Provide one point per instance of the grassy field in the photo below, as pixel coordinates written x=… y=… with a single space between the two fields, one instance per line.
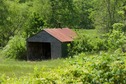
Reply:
x=19 y=68
x=90 y=32
x=102 y=68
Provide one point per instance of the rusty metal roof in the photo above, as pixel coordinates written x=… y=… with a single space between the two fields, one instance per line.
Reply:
x=62 y=34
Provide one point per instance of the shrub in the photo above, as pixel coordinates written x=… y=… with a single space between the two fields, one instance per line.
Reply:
x=116 y=38
x=15 y=48
x=104 y=68
x=84 y=43
x=81 y=44
x=109 y=41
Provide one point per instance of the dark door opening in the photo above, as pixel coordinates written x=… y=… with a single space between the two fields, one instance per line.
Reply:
x=39 y=51
x=46 y=51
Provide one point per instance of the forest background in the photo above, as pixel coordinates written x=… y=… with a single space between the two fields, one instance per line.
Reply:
x=96 y=56
x=27 y=17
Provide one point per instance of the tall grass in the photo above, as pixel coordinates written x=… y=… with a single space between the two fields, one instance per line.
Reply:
x=22 y=68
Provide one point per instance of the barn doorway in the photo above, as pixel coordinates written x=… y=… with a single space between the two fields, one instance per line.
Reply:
x=39 y=50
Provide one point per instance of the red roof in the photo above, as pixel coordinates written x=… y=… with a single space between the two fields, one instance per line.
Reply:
x=62 y=34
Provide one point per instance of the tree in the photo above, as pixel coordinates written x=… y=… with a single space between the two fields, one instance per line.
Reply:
x=83 y=10
x=62 y=11
x=105 y=13
x=3 y=22
x=14 y=16
x=36 y=24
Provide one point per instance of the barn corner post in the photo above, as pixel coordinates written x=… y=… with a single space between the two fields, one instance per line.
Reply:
x=27 y=51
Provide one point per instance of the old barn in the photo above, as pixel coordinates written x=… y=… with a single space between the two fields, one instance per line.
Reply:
x=49 y=44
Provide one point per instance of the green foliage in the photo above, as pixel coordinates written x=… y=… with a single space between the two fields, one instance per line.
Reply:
x=65 y=12
x=105 y=14
x=16 y=48
x=118 y=26
x=103 y=68
x=83 y=10
x=81 y=44
x=62 y=11
x=86 y=43
x=96 y=43
x=3 y=22
x=36 y=24
x=14 y=19
x=30 y=16
x=115 y=39
x=17 y=16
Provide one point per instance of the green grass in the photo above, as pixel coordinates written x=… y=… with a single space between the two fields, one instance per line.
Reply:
x=17 y=68
x=21 y=68
x=89 y=32
x=11 y=67
x=102 y=68
x=0 y=53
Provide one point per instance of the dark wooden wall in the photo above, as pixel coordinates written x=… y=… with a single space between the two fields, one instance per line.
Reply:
x=44 y=37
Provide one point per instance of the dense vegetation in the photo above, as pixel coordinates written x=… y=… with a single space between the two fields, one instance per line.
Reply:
x=95 y=57
x=26 y=17
x=102 y=68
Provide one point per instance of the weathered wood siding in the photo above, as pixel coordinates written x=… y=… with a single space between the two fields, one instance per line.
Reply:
x=43 y=36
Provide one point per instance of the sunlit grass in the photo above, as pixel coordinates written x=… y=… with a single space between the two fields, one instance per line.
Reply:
x=19 y=68
x=92 y=33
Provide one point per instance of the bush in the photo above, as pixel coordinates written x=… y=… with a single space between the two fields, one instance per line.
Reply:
x=84 y=43
x=81 y=44
x=109 y=41
x=116 y=38
x=103 y=68
x=16 y=48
